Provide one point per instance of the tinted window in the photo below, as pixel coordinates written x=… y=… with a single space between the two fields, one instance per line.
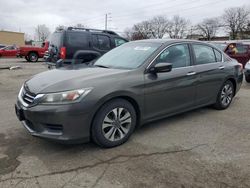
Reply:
x=178 y=55
x=203 y=54
x=119 y=42
x=218 y=55
x=78 y=39
x=101 y=42
x=241 y=49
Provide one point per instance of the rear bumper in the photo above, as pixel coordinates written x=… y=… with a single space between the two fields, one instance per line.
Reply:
x=59 y=123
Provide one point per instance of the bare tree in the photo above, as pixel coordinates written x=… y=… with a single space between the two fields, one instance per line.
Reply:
x=154 y=28
x=143 y=29
x=236 y=20
x=177 y=27
x=208 y=27
x=159 y=26
x=42 y=32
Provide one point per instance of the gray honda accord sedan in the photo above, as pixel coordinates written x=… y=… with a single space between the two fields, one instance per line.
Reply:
x=138 y=82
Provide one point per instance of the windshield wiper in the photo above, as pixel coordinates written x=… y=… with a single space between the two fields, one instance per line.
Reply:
x=102 y=66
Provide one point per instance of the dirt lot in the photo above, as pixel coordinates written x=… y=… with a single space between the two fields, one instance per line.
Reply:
x=202 y=148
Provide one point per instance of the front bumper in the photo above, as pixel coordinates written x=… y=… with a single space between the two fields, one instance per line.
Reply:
x=61 y=123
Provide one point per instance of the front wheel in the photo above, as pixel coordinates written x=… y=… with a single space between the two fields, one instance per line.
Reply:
x=114 y=123
x=225 y=96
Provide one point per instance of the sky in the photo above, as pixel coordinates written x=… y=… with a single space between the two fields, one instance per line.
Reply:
x=25 y=15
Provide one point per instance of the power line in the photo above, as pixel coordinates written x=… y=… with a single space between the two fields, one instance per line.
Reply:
x=190 y=8
x=152 y=8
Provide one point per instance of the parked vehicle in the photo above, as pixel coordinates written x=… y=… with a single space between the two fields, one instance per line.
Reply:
x=9 y=51
x=2 y=46
x=33 y=53
x=77 y=44
x=236 y=50
x=247 y=71
x=135 y=83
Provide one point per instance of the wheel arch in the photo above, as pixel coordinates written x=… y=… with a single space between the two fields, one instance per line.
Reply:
x=128 y=98
x=32 y=52
x=231 y=79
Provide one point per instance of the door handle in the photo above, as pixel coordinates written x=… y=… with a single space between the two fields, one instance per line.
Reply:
x=191 y=73
x=221 y=67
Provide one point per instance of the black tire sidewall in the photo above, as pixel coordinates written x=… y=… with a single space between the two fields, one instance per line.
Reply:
x=97 y=134
x=32 y=53
x=219 y=104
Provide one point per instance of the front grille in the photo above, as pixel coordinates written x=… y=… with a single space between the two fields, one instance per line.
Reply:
x=54 y=127
x=28 y=97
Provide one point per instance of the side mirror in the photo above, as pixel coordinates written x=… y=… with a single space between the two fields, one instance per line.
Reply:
x=161 y=67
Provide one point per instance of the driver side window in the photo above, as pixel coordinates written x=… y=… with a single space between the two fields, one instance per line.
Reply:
x=178 y=55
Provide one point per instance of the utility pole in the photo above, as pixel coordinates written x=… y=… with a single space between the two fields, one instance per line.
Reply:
x=107 y=18
x=106 y=21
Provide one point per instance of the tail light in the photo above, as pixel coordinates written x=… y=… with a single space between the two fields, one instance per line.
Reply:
x=63 y=52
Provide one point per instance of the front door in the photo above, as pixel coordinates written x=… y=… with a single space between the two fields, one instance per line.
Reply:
x=170 y=92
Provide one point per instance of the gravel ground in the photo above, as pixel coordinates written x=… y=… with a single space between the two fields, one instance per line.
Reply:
x=201 y=148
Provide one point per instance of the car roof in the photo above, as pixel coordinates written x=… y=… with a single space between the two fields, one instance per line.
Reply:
x=169 y=41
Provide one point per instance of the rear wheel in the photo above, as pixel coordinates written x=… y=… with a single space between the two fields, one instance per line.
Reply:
x=225 y=96
x=114 y=123
x=27 y=58
x=33 y=57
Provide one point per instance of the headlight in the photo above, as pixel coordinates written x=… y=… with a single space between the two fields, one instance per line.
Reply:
x=64 y=97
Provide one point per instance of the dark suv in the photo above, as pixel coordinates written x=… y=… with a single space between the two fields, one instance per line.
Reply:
x=81 y=44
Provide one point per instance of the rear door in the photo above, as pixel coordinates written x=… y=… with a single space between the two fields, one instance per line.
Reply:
x=76 y=41
x=101 y=43
x=209 y=68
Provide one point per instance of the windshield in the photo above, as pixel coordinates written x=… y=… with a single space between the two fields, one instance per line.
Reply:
x=128 y=56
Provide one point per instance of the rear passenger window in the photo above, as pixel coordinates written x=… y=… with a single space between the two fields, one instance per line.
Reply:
x=203 y=54
x=101 y=42
x=77 y=39
x=218 y=55
x=178 y=55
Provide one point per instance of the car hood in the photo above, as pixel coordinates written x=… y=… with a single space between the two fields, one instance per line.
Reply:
x=57 y=80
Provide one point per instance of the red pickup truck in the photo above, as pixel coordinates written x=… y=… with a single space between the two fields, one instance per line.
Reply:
x=237 y=50
x=32 y=53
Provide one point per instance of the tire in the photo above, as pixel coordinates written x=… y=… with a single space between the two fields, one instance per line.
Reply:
x=225 y=96
x=117 y=129
x=27 y=58
x=247 y=78
x=33 y=57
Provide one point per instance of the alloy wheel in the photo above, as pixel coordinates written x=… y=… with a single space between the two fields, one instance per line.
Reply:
x=116 y=124
x=226 y=95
